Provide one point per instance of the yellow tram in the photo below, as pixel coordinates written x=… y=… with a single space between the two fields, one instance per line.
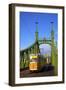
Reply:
x=34 y=62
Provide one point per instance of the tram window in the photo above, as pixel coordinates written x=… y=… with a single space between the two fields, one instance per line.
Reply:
x=33 y=60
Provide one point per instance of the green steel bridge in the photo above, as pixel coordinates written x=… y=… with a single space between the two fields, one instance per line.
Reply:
x=34 y=49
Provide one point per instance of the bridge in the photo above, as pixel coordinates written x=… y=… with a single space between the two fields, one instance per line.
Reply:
x=34 y=49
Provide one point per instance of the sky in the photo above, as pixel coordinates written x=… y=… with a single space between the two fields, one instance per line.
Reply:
x=45 y=49
x=28 y=27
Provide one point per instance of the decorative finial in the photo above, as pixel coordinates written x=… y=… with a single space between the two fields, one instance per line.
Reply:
x=36 y=26
x=36 y=33
x=52 y=22
x=36 y=22
x=52 y=25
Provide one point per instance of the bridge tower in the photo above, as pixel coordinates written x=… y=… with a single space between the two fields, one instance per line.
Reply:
x=52 y=44
x=53 y=50
x=36 y=33
x=36 y=49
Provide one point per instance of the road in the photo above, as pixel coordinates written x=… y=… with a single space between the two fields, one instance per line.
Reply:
x=43 y=72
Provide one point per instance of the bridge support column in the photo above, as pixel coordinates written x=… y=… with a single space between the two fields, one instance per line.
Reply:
x=22 y=61
x=54 y=59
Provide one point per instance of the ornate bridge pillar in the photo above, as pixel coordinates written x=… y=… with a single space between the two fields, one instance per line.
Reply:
x=36 y=33
x=54 y=60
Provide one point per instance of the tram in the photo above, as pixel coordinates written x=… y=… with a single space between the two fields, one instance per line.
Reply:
x=35 y=62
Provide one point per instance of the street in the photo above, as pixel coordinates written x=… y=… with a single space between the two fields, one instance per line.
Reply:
x=44 y=72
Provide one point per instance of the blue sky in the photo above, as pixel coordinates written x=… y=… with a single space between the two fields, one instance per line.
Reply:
x=28 y=27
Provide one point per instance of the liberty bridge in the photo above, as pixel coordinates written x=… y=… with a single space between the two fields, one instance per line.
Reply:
x=34 y=49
